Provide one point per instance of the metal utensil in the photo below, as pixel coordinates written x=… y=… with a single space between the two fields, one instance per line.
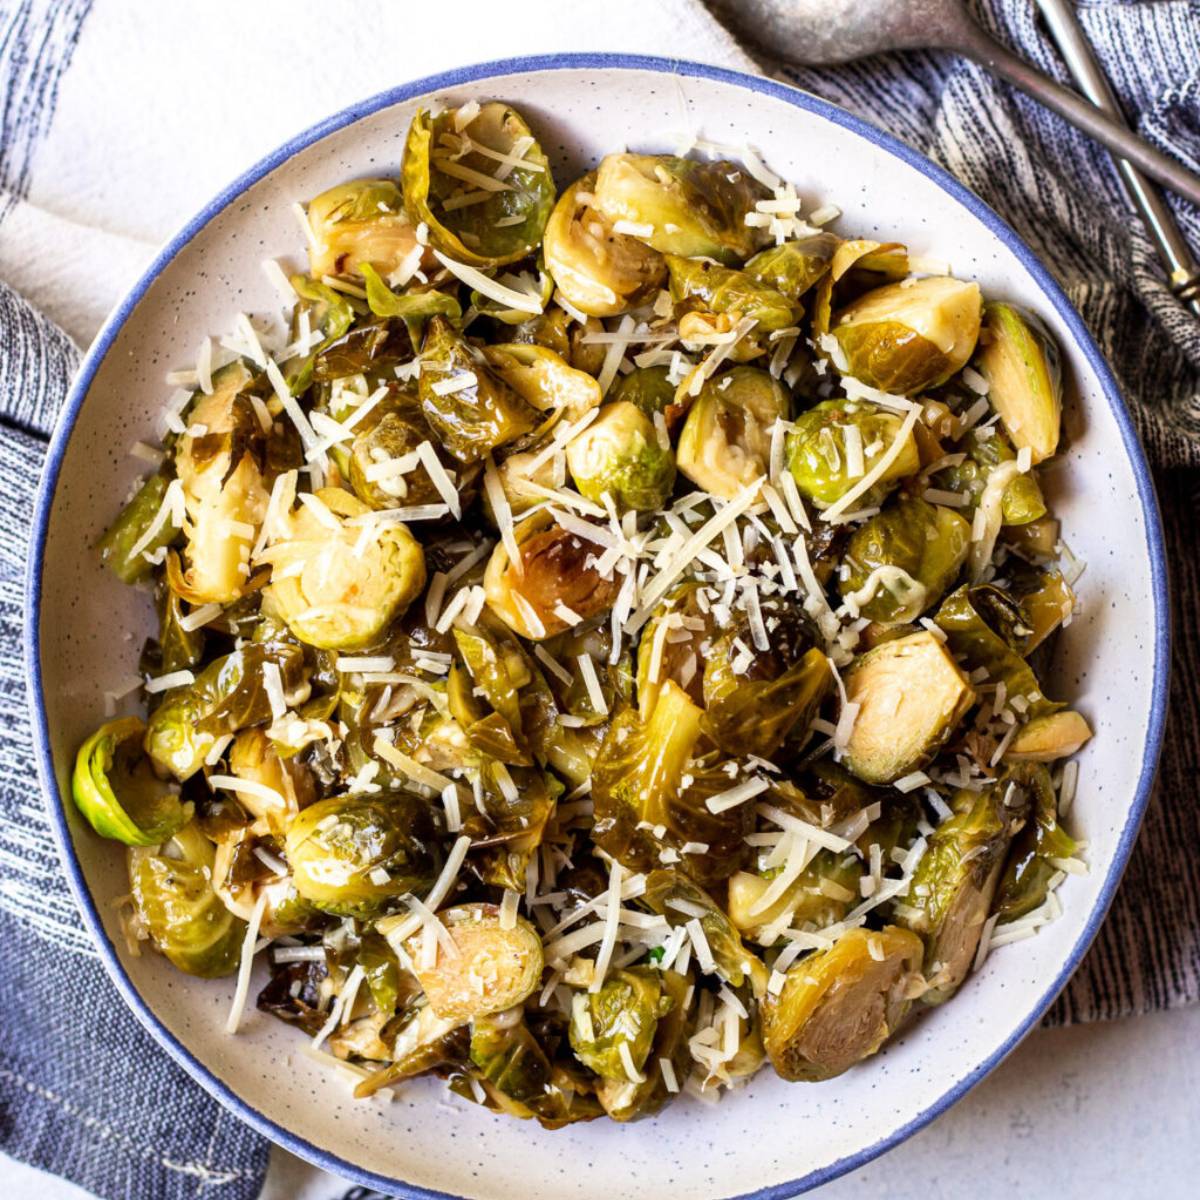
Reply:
x=818 y=32
x=1183 y=269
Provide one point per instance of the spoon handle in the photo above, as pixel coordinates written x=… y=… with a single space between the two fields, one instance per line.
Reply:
x=985 y=50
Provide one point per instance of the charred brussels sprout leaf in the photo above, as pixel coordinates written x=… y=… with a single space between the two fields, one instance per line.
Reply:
x=726 y=440
x=903 y=560
x=700 y=285
x=493 y=970
x=114 y=786
x=912 y=695
x=174 y=898
x=1026 y=879
x=129 y=532
x=556 y=569
x=443 y=165
x=623 y=1013
x=357 y=222
x=752 y=710
x=907 y=339
x=955 y=881
x=1021 y=362
x=619 y=453
x=679 y=206
x=228 y=695
x=601 y=272
x=838 y=1006
x=819 y=458
x=345 y=594
x=794 y=267
x=473 y=420
x=351 y=854
x=179 y=649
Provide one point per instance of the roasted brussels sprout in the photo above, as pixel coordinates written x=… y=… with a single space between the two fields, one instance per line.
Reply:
x=726 y=440
x=838 y=1006
x=219 y=462
x=174 y=899
x=411 y=307
x=953 y=885
x=484 y=413
x=494 y=969
x=115 y=788
x=821 y=895
x=794 y=267
x=1053 y=736
x=396 y=435
x=599 y=271
x=337 y=586
x=1035 y=848
x=911 y=696
x=675 y=645
x=544 y=379
x=678 y=206
x=484 y=189
x=359 y=222
x=986 y=449
x=619 y=454
x=700 y=285
x=556 y=571
x=351 y=854
x=1045 y=597
x=1021 y=362
x=906 y=339
x=130 y=529
x=228 y=695
x=820 y=449
x=613 y=1029
x=752 y=708
x=651 y=390
x=902 y=561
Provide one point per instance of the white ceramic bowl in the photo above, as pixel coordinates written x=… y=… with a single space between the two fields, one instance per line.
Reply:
x=772 y=1139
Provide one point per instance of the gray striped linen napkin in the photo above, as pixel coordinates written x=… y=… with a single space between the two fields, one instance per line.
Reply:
x=86 y=1094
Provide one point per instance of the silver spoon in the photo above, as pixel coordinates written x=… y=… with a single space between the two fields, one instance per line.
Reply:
x=819 y=32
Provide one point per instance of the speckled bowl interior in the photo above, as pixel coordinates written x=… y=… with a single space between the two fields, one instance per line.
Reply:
x=85 y=629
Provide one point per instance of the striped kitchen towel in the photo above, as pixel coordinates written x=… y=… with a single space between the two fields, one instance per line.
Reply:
x=87 y=184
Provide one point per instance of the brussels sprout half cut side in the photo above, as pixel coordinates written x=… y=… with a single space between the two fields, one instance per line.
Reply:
x=115 y=788
x=619 y=455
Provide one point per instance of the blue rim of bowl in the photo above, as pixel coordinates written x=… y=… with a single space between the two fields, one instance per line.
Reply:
x=443 y=82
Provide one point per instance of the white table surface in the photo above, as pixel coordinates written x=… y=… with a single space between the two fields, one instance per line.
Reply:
x=1093 y=1111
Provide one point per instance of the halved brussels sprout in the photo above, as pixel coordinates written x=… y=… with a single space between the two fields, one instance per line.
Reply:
x=228 y=695
x=680 y=206
x=651 y=390
x=817 y=449
x=114 y=786
x=544 y=379
x=700 y=285
x=517 y=471
x=471 y=420
x=794 y=267
x=556 y=569
x=254 y=757
x=911 y=696
x=1050 y=737
x=484 y=190
x=362 y=221
x=625 y=1101
x=351 y=854
x=348 y=587
x=370 y=349
x=131 y=525
x=1045 y=597
x=1021 y=362
x=752 y=708
x=820 y=896
x=396 y=434
x=953 y=885
x=985 y=449
x=1026 y=878
x=906 y=339
x=856 y=267
x=494 y=969
x=174 y=898
x=726 y=440
x=623 y=1013
x=838 y=1006
x=224 y=488
x=600 y=272
x=619 y=454
x=903 y=560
